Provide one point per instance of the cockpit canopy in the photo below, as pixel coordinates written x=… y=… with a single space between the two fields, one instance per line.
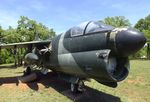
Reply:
x=89 y=28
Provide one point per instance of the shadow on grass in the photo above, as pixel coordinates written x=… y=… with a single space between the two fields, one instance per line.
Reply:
x=9 y=80
x=51 y=80
x=9 y=66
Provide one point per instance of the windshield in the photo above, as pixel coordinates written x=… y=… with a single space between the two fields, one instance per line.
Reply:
x=97 y=27
x=88 y=28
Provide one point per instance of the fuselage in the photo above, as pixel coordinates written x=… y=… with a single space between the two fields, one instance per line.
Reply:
x=93 y=50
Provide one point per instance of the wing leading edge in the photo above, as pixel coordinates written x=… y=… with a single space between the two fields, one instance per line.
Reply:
x=23 y=44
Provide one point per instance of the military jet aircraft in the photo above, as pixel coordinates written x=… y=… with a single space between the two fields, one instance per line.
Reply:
x=91 y=50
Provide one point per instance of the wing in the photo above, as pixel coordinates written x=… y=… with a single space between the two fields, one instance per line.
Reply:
x=24 y=44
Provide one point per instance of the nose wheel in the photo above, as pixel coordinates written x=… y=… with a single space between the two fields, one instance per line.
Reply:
x=77 y=87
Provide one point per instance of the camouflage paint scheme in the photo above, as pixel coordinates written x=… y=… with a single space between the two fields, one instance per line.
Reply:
x=89 y=50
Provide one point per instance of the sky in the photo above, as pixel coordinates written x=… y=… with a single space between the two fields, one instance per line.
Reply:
x=63 y=14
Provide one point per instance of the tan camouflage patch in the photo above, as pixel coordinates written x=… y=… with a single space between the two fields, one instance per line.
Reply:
x=119 y=29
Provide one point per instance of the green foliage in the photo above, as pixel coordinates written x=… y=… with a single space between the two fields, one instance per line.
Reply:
x=144 y=26
x=6 y=56
x=27 y=30
x=1 y=34
x=139 y=54
x=117 y=21
x=11 y=36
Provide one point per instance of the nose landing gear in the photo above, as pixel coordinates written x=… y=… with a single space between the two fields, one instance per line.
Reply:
x=78 y=87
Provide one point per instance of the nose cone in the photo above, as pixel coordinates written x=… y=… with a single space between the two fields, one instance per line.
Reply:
x=129 y=41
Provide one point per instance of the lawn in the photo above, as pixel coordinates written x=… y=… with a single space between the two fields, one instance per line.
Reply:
x=136 y=88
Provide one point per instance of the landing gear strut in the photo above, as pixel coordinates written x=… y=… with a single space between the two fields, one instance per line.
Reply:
x=28 y=76
x=77 y=87
x=27 y=71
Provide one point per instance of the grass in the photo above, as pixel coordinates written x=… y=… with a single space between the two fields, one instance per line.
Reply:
x=136 y=88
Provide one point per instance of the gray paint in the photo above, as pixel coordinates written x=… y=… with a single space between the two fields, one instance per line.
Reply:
x=90 y=50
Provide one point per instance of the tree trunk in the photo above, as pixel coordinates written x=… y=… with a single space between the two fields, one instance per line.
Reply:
x=148 y=51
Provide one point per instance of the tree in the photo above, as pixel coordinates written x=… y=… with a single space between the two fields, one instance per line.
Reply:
x=117 y=21
x=1 y=35
x=1 y=30
x=28 y=29
x=11 y=36
x=144 y=26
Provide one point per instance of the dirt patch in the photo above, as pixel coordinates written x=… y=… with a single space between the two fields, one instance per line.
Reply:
x=137 y=80
x=13 y=83
x=12 y=86
x=23 y=86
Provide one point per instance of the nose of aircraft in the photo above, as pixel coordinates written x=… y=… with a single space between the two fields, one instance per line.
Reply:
x=129 y=41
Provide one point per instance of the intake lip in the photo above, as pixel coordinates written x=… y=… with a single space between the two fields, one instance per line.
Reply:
x=129 y=41
x=118 y=68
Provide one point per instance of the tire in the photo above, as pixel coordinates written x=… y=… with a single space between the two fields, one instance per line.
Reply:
x=81 y=86
x=77 y=88
x=74 y=88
